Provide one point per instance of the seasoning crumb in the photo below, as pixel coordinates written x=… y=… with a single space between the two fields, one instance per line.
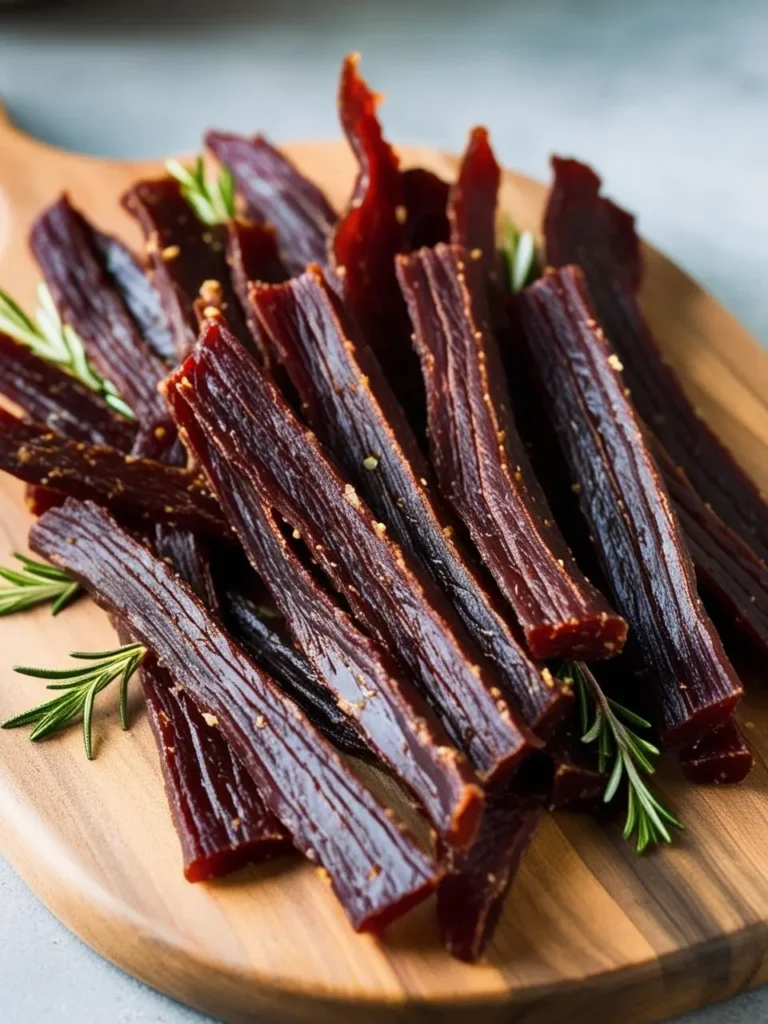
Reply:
x=260 y=721
x=615 y=362
x=370 y=462
x=576 y=488
x=170 y=252
x=476 y=254
x=211 y=720
x=211 y=311
x=237 y=822
x=401 y=214
x=380 y=528
x=211 y=292
x=350 y=494
x=296 y=535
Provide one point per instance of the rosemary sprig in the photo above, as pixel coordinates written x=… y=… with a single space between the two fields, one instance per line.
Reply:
x=519 y=250
x=35 y=583
x=631 y=755
x=57 y=343
x=212 y=199
x=79 y=687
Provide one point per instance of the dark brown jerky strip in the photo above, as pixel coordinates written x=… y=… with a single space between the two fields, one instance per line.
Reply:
x=628 y=509
x=374 y=865
x=584 y=228
x=425 y=196
x=277 y=193
x=40 y=499
x=184 y=255
x=575 y=782
x=139 y=488
x=482 y=468
x=138 y=293
x=388 y=595
x=57 y=400
x=252 y=256
x=368 y=685
x=469 y=903
x=64 y=246
x=722 y=757
x=472 y=204
x=346 y=399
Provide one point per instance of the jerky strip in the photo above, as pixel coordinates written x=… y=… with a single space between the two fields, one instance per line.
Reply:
x=265 y=441
x=636 y=533
x=472 y=204
x=348 y=402
x=425 y=196
x=584 y=228
x=54 y=398
x=721 y=757
x=252 y=256
x=137 y=487
x=278 y=193
x=374 y=865
x=367 y=684
x=482 y=468
x=64 y=245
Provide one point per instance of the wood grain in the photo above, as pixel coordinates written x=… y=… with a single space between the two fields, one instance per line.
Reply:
x=591 y=933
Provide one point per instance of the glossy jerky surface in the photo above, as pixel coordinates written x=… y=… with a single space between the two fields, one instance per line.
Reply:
x=722 y=757
x=636 y=533
x=348 y=402
x=426 y=203
x=473 y=200
x=584 y=228
x=482 y=468
x=57 y=400
x=368 y=686
x=384 y=591
x=374 y=865
x=252 y=256
x=278 y=194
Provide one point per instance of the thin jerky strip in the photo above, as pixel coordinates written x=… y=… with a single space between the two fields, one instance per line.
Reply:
x=628 y=509
x=722 y=757
x=472 y=203
x=136 y=487
x=184 y=255
x=265 y=441
x=482 y=468
x=278 y=193
x=64 y=245
x=59 y=401
x=252 y=256
x=425 y=196
x=368 y=686
x=583 y=227
x=374 y=865
x=348 y=402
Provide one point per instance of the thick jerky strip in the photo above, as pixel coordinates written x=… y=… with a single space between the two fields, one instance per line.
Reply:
x=425 y=196
x=64 y=245
x=469 y=902
x=252 y=256
x=584 y=228
x=482 y=467
x=628 y=509
x=295 y=674
x=184 y=255
x=278 y=194
x=472 y=204
x=137 y=487
x=374 y=865
x=368 y=685
x=59 y=401
x=721 y=757
x=389 y=597
x=350 y=405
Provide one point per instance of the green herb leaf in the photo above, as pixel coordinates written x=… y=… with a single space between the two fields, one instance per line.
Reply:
x=212 y=199
x=33 y=585
x=519 y=251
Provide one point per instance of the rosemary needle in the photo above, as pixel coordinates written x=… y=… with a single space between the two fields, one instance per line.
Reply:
x=212 y=199
x=519 y=249
x=34 y=584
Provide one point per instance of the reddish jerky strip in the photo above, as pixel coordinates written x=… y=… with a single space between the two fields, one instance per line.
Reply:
x=138 y=293
x=584 y=228
x=469 y=903
x=636 y=533
x=426 y=202
x=64 y=245
x=482 y=467
x=136 y=487
x=721 y=757
x=374 y=865
x=184 y=254
x=349 y=403
x=264 y=440
x=252 y=256
x=40 y=499
x=472 y=204
x=278 y=194
x=393 y=718
x=59 y=401
x=295 y=675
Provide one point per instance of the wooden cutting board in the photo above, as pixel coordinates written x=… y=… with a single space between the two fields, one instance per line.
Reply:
x=591 y=932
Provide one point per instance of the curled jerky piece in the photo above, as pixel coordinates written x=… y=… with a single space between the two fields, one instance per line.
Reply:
x=252 y=256
x=348 y=402
x=140 y=488
x=628 y=509
x=65 y=246
x=278 y=194
x=584 y=228
x=472 y=204
x=59 y=401
x=375 y=867
x=426 y=203
x=482 y=467
x=386 y=592
x=721 y=757
x=367 y=684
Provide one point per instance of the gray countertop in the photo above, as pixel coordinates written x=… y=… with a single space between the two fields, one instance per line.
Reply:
x=669 y=100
